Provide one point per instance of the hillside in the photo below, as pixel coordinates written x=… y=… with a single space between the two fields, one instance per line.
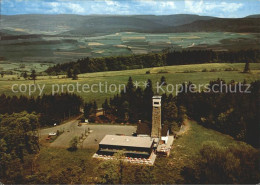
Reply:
x=253 y=16
x=94 y=24
x=63 y=38
x=174 y=20
x=90 y=25
x=221 y=25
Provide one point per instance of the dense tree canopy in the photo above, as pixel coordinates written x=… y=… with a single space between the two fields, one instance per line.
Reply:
x=236 y=164
x=51 y=108
x=166 y=58
x=19 y=137
x=135 y=104
x=233 y=113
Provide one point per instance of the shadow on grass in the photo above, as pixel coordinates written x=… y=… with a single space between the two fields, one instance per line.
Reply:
x=72 y=149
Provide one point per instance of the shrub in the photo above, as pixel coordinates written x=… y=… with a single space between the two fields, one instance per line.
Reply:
x=163 y=71
x=189 y=71
x=231 y=69
x=213 y=70
x=73 y=144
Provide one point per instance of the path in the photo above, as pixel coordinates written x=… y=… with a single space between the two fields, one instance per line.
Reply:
x=185 y=127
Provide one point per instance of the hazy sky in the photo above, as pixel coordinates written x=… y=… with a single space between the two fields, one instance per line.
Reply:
x=219 y=8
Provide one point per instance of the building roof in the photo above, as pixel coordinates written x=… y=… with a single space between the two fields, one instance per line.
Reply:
x=129 y=141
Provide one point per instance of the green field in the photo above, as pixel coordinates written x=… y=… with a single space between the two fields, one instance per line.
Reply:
x=185 y=150
x=19 y=68
x=60 y=49
x=174 y=75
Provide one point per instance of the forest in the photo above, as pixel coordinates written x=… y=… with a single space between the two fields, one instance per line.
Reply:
x=226 y=111
x=51 y=109
x=168 y=57
x=232 y=113
x=136 y=104
x=19 y=139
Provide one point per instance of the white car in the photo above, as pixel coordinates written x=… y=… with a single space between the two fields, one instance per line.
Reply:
x=52 y=134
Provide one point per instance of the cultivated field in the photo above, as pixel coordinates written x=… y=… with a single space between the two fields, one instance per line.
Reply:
x=60 y=49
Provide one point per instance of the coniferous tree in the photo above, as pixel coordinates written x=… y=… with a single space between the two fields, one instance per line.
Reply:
x=33 y=75
x=88 y=109
x=51 y=108
x=25 y=75
x=130 y=85
x=105 y=106
x=75 y=74
x=163 y=81
x=69 y=73
x=95 y=107
x=246 y=68
x=148 y=94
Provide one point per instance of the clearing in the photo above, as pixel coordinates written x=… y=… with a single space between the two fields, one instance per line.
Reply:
x=184 y=151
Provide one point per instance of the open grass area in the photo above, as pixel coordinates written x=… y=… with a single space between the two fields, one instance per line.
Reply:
x=184 y=152
x=52 y=160
x=174 y=75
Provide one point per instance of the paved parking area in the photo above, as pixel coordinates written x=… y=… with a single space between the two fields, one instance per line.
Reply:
x=71 y=129
x=99 y=132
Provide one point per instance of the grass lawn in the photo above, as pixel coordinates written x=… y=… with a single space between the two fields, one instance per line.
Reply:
x=166 y=170
x=174 y=75
x=53 y=160
x=185 y=150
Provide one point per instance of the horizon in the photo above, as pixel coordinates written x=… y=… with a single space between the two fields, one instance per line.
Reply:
x=214 y=8
x=128 y=15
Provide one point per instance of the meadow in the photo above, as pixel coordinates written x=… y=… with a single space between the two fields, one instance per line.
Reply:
x=197 y=74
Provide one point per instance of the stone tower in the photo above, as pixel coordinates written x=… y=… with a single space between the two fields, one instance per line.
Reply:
x=156 y=118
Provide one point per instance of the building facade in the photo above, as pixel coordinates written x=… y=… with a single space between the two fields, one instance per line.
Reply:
x=156 y=117
x=140 y=147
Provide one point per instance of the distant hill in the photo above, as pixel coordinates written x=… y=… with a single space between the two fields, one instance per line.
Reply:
x=92 y=25
x=221 y=25
x=174 y=20
x=253 y=16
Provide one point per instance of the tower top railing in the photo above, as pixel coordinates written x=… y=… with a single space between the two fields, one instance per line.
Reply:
x=157 y=97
